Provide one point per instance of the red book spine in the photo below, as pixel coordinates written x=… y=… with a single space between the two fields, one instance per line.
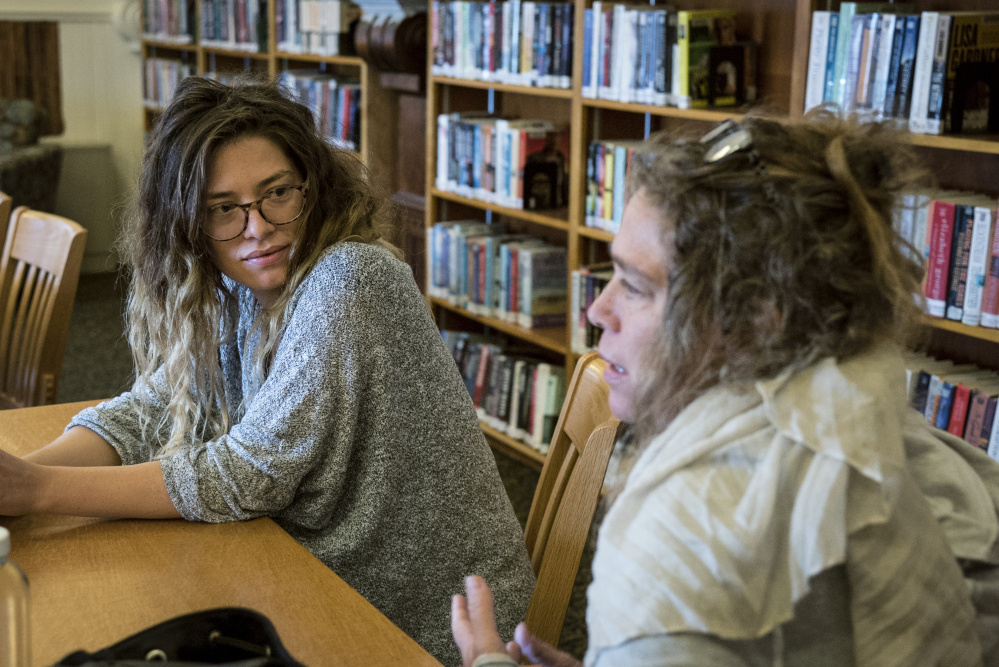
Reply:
x=941 y=219
x=480 y=376
x=959 y=410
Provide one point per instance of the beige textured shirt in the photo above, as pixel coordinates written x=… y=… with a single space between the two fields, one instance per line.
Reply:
x=752 y=491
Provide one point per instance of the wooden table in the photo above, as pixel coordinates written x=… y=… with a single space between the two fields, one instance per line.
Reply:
x=94 y=582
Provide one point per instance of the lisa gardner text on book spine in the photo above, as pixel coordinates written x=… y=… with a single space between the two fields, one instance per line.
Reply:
x=15 y=618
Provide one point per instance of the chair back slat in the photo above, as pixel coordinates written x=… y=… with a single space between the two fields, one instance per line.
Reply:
x=39 y=271
x=567 y=494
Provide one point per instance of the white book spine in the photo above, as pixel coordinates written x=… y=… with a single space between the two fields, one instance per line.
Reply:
x=977 y=265
x=876 y=100
x=921 y=71
x=938 y=75
x=818 y=48
x=443 y=151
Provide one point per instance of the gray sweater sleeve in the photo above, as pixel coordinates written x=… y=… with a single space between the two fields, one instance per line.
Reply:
x=116 y=421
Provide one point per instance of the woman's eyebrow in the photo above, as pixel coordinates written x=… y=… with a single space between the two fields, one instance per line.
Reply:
x=630 y=269
x=262 y=184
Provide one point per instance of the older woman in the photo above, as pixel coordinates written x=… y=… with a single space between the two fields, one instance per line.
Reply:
x=781 y=504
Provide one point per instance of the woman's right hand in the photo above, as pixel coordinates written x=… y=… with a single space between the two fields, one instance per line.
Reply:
x=538 y=651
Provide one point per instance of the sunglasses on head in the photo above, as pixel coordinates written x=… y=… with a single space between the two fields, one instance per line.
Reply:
x=729 y=138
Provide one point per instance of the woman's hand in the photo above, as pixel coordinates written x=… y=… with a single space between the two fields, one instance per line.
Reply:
x=538 y=651
x=474 y=628
x=473 y=623
x=20 y=482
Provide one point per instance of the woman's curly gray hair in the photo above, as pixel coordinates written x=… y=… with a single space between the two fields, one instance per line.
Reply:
x=768 y=278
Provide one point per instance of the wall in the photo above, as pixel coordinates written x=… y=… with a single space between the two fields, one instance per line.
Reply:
x=102 y=107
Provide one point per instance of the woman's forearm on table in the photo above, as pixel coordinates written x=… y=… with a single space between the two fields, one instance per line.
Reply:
x=78 y=446
x=134 y=492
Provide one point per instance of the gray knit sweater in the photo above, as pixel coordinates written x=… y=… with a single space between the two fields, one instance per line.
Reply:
x=362 y=443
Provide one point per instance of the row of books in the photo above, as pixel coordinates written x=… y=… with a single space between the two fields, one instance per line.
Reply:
x=168 y=21
x=335 y=103
x=585 y=285
x=523 y=43
x=607 y=164
x=515 y=163
x=318 y=27
x=511 y=277
x=958 y=398
x=935 y=71
x=955 y=234
x=663 y=56
x=160 y=79
x=512 y=392
x=239 y=25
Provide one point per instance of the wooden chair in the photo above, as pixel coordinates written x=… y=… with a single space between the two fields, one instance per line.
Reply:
x=39 y=271
x=558 y=525
x=6 y=204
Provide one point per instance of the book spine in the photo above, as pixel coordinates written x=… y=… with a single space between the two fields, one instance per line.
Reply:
x=942 y=417
x=976 y=415
x=846 y=13
x=891 y=83
x=977 y=261
x=882 y=62
x=818 y=48
x=828 y=89
x=959 y=410
x=990 y=298
x=987 y=422
x=941 y=230
x=938 y=76
x=959 y=257
x=922 y=71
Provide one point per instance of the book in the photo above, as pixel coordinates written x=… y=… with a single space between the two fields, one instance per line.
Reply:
x=902 y=103
x=977 y=264
x=922 y=71
x=543 y=287
x=697 y=31
x=959 y=257
x=818 y=52
x=940 y=231
x=959 y=410
x=893 y=66
x=880 y=64
x=970 y=102
x=990 y=296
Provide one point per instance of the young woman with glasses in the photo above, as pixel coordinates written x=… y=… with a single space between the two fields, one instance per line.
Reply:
x=286 y=366
x=778 y=502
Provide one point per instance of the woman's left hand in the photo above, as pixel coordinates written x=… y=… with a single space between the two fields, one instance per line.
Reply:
x=19 y=485
x=473 y=623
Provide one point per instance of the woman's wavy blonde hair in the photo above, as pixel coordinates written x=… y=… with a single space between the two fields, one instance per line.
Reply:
x=179 y=310
x=768 y=278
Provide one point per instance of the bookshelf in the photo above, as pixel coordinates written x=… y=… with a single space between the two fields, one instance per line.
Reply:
x=378 y=109
x=782 y=28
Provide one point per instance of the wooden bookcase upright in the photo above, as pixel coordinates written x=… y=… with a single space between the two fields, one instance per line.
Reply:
x=782 y=28
x=379 y=111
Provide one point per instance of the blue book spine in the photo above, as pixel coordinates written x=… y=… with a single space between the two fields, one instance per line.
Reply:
x=946 y=402
x=827 y=95
x=898 y=36
x=587 y=46
x=476 y=157
x=907 y=61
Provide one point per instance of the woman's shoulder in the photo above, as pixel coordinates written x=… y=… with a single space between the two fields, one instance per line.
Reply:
x=349 y=262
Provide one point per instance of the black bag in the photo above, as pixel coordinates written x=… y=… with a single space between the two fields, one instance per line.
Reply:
x=225 y=636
